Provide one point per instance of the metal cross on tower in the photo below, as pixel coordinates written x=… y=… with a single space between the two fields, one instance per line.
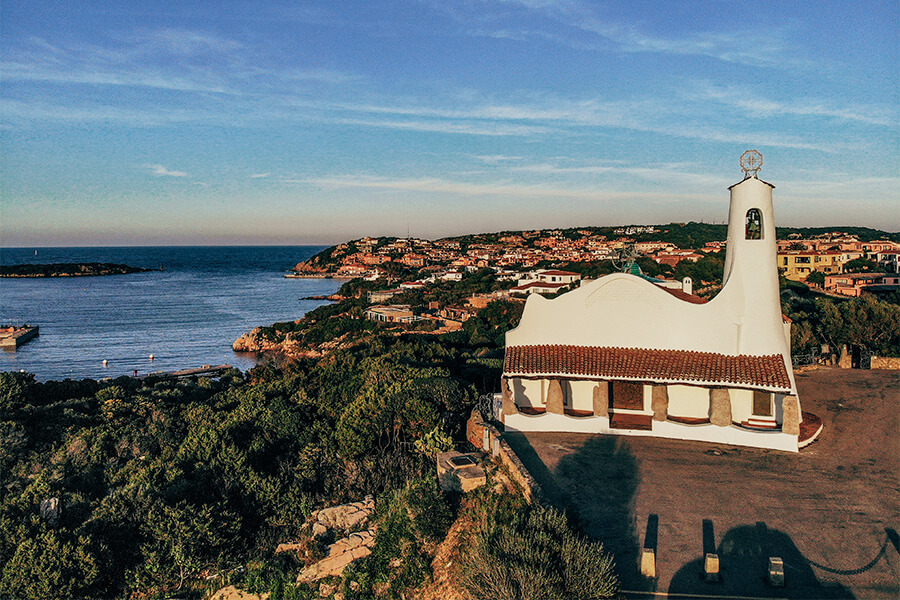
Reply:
x=751 y=163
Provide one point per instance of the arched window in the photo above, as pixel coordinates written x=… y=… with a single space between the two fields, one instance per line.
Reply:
x=753 y=225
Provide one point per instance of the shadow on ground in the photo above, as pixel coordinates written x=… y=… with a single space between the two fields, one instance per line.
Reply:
x=596 y=485
x=743 y=564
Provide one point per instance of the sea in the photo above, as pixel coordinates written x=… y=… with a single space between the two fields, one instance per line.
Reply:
x=186 y=313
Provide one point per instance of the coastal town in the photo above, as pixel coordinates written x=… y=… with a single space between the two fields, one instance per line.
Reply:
x=551 y=262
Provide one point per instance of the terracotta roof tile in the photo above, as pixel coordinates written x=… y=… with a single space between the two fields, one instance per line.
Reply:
x=766 y=372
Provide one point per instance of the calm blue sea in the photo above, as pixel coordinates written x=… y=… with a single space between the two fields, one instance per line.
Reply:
x=186 y=316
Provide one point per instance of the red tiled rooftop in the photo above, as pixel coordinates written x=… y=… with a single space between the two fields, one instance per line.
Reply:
x=540 y=284
x=766 y=372
x=682 y=295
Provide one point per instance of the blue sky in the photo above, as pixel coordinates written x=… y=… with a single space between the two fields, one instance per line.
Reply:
x=314 y=122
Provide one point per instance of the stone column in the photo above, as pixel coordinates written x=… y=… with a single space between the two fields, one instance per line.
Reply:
x=846 y=360
x=659 y=402
x=555 y=402
x=791 y=420
x=601 y=399
x=509 y=404
x=719 y=407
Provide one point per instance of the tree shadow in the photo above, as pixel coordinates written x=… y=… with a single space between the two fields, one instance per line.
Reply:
x=743 y=566
x=596 y=486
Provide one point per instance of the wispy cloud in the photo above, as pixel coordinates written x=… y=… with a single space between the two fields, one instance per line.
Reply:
x=163 y=59
x=443 y=186
x=161 y=171
x=672 y=173
x=493 y=159
x=466 y=127
x=754 y=105
x=260 y=175
x=502 y=18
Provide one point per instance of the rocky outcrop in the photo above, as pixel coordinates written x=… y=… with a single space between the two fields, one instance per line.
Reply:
x=308 y=269
x=352 y=547
x=50 y=509
x=340 y=554
x=346 y=516
x=234 y=593
x=256 y=341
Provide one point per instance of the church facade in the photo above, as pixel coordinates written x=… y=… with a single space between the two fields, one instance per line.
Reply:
x=622 y=355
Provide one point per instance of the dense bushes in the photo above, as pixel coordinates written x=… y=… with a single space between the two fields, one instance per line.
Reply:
x=162 y=482
x=531 y=552
x=410 y=522
x=865 y=321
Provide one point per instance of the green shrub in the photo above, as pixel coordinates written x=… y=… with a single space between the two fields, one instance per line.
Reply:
x=535 y=555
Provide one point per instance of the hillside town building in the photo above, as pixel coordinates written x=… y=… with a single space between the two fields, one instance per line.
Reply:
x=623 y=355
x=854 y=284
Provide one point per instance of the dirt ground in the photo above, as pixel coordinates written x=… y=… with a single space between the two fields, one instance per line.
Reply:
x=832 y=511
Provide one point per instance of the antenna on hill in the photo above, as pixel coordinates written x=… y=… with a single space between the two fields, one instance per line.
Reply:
x=626 y=258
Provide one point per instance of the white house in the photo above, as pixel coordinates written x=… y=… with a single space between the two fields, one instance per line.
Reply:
x=622 y=355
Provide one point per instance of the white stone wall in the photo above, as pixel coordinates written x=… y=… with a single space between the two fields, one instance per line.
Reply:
x=741 y=405
x=732 y=435
x=579 y=394
x=688 y=401
x=529 y=393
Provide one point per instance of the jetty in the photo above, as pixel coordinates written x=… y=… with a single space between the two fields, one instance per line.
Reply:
x=204 y=371
x=11 y=337
x=309 y=275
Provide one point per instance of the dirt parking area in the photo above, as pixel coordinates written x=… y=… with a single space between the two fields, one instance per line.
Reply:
x=831 y=512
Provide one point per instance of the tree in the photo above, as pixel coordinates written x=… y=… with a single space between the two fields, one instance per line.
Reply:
x=48 y=567
x=864 y=321
x=490 y=324
x=816 y=278
x=14 y=389
x=861 y=265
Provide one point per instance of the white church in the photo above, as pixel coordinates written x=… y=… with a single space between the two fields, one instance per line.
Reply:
x=624 y=356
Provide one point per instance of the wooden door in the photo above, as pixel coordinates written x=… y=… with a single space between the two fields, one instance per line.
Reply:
x=762 y=404
x=627 y=394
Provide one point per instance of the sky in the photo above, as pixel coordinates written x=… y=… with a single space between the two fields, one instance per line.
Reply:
x=236 y=122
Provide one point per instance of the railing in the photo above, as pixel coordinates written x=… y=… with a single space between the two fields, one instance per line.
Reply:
x=803 y=359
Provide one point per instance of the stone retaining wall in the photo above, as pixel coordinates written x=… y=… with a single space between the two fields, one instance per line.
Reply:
x=486 y=437
x=886 y=362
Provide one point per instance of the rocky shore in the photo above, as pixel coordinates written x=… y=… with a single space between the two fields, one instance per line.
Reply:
x=255 y=341
x=68 y=270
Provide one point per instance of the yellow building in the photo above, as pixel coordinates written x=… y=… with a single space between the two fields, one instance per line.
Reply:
x=797 y=264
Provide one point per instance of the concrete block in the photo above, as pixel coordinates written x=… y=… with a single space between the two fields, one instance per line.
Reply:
x=776 y=572
x=711 y=567
x=459 y=472
x=648 y=563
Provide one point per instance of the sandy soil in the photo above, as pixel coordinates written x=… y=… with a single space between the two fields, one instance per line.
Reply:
x=831 y=512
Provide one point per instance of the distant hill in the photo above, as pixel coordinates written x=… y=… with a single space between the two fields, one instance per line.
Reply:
x=684 y=235
x=865 y=234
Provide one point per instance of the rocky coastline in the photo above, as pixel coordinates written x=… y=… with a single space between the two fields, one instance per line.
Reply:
x=257 y=342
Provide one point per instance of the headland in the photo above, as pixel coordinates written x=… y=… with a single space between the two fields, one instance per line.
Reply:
x=69 y=270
